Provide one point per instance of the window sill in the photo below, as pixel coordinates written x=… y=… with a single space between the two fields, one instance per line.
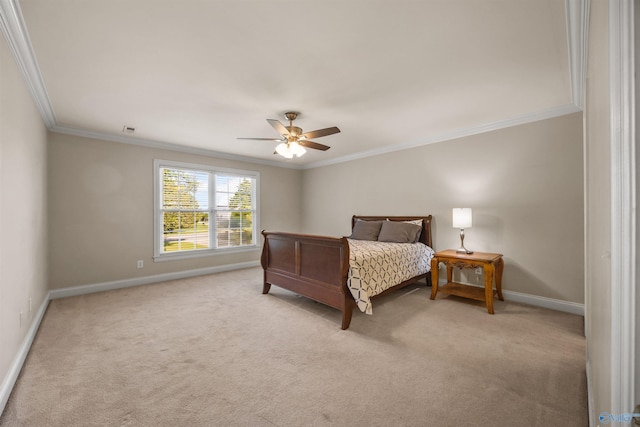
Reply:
x=203 y=253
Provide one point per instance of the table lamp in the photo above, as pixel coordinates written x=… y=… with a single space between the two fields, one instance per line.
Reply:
x=462 y=218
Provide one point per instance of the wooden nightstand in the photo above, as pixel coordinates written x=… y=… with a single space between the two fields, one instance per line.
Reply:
x=492 y=265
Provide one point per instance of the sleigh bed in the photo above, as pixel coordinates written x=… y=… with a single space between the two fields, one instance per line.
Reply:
x=319 y=267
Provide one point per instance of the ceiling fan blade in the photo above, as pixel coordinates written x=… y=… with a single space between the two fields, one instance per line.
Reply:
x=264 y=139
x=314 y=145
x=279 y=127
x=320 y=132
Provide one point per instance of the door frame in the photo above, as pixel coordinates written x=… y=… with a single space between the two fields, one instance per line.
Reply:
x=623 y=205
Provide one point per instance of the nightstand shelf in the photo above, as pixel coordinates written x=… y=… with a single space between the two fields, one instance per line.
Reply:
x=491 y=264
x=462 y=290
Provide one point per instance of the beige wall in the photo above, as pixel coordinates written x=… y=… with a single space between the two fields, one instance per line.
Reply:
x=524 y=183
x=23 y=198
x=101 y=210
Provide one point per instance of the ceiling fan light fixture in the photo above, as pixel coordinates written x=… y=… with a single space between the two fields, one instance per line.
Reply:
x=297 y=149
x=284 y=151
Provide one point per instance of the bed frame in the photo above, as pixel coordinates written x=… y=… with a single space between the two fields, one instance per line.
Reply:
x=317 y=266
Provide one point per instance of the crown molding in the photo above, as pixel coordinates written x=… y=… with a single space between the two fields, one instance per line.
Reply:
x=15 y=31
x=149 y=143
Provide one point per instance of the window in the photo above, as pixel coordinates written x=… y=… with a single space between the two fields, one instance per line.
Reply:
x=201 y=210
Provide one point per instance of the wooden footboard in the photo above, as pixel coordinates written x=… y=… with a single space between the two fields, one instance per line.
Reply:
x=313 y=266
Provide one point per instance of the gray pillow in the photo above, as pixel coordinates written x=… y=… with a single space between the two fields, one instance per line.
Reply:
x=399 y=232
x=366 y=230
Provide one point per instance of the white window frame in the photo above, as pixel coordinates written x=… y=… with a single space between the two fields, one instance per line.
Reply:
x=158 y=228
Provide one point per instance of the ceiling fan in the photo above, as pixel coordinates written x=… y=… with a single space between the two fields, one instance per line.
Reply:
x=294 y=140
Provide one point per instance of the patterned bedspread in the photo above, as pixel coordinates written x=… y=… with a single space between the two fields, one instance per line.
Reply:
x=377 y=266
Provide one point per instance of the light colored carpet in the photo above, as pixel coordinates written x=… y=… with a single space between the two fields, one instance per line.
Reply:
x=214 y=351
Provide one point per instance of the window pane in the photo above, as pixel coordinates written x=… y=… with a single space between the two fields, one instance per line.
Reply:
x=223 y=238
x=235 y=220
x=202 y=192
x=234 y=238
x=182 y=189
x=201 y=238
x=247 y=236
x=171 y=231
x=234 y=192
x=222 y=219
x=247 y=228
x=178 y=237
x=247 y=219
x=222 y=200
x=234 y=228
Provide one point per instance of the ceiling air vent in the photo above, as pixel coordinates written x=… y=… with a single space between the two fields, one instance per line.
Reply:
x=128 y=129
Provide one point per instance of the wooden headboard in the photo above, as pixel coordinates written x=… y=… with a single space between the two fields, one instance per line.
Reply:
x=425 y=236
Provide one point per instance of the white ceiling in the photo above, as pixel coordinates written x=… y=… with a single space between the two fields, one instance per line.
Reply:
x=389 y=73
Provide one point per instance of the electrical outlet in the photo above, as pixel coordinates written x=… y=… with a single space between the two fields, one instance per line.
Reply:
x=140 y=263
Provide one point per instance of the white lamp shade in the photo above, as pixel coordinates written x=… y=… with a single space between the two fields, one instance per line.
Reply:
x=297 y=149
x=283 y=150
x=462 y=218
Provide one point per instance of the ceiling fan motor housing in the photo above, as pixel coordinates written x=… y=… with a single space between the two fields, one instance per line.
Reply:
x=291 y=115
x=294 y=132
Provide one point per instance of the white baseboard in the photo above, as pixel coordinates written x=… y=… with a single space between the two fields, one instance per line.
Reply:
x=550 y=303
x=544 y=302
x=146 y=280
x=14 y=370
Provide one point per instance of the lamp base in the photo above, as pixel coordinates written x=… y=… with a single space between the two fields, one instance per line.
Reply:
x=464 y=250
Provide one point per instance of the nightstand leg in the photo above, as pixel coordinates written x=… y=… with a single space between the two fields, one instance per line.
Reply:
x=499 y=269
x=434 y=277
x=488 y=286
